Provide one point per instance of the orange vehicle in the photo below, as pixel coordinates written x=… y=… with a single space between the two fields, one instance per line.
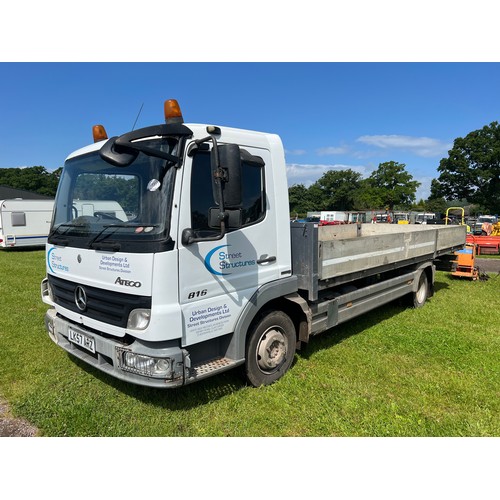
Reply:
x=464 y=265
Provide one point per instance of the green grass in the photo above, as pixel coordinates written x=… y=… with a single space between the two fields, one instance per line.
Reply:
x=396 y=371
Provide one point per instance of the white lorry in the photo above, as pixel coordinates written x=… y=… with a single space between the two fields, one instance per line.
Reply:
x=209 y=273
x=24 y=223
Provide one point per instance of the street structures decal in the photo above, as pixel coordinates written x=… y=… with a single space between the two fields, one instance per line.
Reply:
x=220 y=262
x=55 y=262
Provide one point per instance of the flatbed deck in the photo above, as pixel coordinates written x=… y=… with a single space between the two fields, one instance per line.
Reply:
x=325 y=256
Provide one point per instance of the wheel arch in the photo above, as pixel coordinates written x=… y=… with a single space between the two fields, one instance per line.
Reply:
x=278 y=296
x=295 y=307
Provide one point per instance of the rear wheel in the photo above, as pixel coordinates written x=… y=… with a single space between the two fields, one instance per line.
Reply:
x=420 y=296
x=270 y=348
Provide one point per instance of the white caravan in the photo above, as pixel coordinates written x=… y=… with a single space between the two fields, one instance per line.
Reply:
x=107 y=209
x=24 y=223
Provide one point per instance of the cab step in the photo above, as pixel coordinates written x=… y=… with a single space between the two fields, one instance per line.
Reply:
x=209 y=367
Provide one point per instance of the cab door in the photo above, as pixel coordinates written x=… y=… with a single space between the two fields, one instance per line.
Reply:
x=217 y=277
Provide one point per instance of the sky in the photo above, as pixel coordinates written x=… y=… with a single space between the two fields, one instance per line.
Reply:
x=329 y=115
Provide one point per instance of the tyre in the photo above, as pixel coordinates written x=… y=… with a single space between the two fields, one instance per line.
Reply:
x=420 y=296
x=270 y=348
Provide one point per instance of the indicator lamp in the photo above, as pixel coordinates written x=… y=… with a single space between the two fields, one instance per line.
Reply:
x=173 y=113
x=99 y=133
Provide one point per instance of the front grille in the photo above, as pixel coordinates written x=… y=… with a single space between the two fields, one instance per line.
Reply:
x=102 y=305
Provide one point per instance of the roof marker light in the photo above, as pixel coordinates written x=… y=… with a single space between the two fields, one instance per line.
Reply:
x=99 y=133
x=173 y=113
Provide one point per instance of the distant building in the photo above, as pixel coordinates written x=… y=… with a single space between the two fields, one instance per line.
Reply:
x=9 y=193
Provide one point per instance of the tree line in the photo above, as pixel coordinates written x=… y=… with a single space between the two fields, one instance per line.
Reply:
x=388 y=187
x=470 y=174
x=35 y=179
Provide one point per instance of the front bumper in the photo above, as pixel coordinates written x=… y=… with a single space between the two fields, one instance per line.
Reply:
x=109 y=354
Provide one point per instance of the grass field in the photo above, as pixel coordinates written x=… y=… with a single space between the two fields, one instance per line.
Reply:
x=396 y=371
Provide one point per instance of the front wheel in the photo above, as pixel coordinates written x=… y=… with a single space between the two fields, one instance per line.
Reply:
x=270 y=348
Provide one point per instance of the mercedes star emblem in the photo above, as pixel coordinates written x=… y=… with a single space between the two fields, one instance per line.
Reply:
x=80 y=298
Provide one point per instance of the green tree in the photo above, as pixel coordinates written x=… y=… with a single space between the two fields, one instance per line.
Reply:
x=419 y=206
x=368 y=197
x=437 y=205
x=316 y=198
x=298 y=199
x=393 y=185
x=472 y=169
x=338 y=189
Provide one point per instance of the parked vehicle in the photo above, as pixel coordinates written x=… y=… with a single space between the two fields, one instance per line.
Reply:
x=484 y=225
x=425 y=218
x=355 y=217
x=329 y=217
x=210 y=274
x=382 y=218
x=401 y=218
x=24 y=223
x=486 y=235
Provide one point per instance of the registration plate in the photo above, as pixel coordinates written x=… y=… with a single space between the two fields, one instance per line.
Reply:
x=82 y=339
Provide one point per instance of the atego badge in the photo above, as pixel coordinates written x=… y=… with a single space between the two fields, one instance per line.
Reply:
x=134 y=284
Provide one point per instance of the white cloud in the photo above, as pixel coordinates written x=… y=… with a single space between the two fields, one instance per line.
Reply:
x=296 y=152
x=424 y=190
x=332 y=150
x=420 y=146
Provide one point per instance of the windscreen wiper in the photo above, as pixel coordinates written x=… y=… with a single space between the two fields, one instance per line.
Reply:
x=105 y=228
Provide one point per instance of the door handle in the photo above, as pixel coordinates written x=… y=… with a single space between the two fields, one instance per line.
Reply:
x=267 y=259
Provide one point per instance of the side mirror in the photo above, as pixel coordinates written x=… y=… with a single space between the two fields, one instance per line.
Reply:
x=225 y=161
x=226 y=175
x=233 y=218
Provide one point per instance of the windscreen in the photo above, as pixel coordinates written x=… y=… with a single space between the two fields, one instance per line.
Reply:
x=99 y=205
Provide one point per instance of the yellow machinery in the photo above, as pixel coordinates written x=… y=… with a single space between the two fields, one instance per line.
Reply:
x=447 y=218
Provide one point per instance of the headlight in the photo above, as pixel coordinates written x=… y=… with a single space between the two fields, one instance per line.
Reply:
x=144 y=365
x=138 y=319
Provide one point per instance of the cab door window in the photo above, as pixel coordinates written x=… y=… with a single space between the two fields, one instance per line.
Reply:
x=253 y=196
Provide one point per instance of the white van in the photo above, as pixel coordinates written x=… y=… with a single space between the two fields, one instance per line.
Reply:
x=425 y=218
x=24 y=223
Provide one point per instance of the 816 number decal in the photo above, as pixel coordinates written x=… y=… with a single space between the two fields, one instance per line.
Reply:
x=198 y=293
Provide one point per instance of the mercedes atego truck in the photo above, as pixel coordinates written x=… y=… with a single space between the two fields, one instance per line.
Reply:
x=206 y=272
